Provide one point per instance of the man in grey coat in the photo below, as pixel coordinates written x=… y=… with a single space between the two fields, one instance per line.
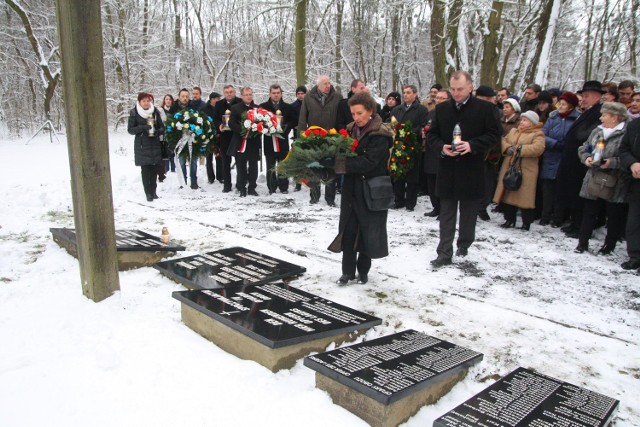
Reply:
x=320 y=108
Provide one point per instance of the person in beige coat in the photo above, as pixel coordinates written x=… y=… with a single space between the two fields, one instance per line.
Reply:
x=528 y=140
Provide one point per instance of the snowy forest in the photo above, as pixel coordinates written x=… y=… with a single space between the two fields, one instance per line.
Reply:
x=162 y=45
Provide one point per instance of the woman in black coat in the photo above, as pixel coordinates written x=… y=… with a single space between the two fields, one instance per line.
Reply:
x=362 y=233
x=146 y=124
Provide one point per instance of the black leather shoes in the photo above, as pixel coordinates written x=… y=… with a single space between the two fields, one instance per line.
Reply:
x=606 y=249
x=434 y=213
x=440 y=262
x=632 y=264
x=345 y=278
x=525 y=227
x=544 y=222
x=581 y=248
x=149 y=198
x=243 y=193
x=155 y=196
x=462 y=252
x=483 y=215
x=253 y=193
x=362 y=278
x=508 y=224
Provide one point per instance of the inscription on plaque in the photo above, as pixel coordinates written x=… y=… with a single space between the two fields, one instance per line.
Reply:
x=527 y=398
x=126 y=240
x=276 y=314
x=227 y=267
x=390 y=368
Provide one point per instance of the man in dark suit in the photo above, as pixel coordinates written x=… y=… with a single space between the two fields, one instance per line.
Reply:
x=222 y=106
x=246 y=150
x=210 y=111
x=276 y=148
x=461 y=170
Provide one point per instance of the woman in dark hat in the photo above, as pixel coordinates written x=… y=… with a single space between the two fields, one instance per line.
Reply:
x=391 y=102
x=600 y=154
x=545 y=106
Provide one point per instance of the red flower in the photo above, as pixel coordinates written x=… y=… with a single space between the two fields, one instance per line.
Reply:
x=354 y=145
x=260 y=127
x=399 y=126
x=343 y=133
x=250 y=115
x=317 y=132
x=403 y=161
x=323 y=132
x=306 y=132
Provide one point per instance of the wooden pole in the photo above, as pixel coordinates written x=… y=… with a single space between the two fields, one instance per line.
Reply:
x=80 y=32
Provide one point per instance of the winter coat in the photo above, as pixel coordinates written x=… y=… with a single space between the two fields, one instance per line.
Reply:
x=509 y=123
x=555 y=129
x=419 y=117
x=462 y=177
x=611 y=153
x=314 y=113
x=222 y=106
x=287 y=124
x=371 y=161
x=344 y=117
x=431 y=157
x=571 y=171
x=147 y=149
x=252 y=150
x=629 y=154
x=532 y=142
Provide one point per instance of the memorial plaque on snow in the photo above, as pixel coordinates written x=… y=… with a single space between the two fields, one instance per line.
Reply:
x=134 y=248
x=271 y=323
x=227 y=268
x=385 y=381
x=527 y=398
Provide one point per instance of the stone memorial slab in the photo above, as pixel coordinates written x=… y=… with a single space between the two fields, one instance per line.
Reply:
x=527 y=398
x=134 y=248
x=387 y=380
x=227 y=268
x=272 y=323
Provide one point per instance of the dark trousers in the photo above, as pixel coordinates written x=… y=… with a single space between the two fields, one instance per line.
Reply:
x=273 y=180
x=431 y=188
x=550 y=209
x=170 y=163
x=211 y=172
x=329 y=191
x=149 y=176
x=162 y=173
x=510 y=212
x=351 y=259
x=615 y=220
x=247 y=173
x=406 y=193
x=448 y=219
x=633 y=230
x=226 y=170
x=490 y=184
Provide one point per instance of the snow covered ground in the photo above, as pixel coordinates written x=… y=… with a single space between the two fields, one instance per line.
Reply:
x=522 y=299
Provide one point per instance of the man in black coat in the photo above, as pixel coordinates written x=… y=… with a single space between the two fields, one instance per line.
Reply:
x=406 y=190
x=246 y=150
x=630 y=160
x=530 y=97
x=571 y=171
x=461 y=171
x=210 y=111
x=222 y=106
x=277 y=148
x=301 y=91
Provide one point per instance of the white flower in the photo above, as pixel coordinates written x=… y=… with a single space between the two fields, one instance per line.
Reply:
x=259 y=117
x=272 y=131
x=264 y=131
x=247 y=124
x=254 y=127
x=186 y=116
x=179 y=126
x=199 y=120
x=279 y=129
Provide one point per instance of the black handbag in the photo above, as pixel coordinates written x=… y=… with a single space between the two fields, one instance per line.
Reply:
x=378 y=193
x=512 y=179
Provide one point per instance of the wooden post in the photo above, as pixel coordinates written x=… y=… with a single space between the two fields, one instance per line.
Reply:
x=80 y=32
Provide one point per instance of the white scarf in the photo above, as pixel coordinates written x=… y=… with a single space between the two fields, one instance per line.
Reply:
x=144 y=113
x=606 y=132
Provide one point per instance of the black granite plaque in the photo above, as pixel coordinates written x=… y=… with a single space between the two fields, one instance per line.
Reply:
x=527 y=398
x=275 y=314
x=126 y=240
x=390 y=368
x=227 y=267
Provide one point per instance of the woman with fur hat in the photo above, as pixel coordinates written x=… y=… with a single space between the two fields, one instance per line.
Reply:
x=605 y=183
x=146 y=124
x=555 y=129
x=391 y=101
x=510 y=116
x=527 y=140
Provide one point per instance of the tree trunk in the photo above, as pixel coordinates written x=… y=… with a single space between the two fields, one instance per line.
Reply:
x=301 y=35
x=491 y=46
x=438 y=46
x=339 y=13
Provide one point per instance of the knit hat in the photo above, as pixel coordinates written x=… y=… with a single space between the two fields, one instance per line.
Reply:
x=214 y=95
x=545 y=96
x=616 y=109
x=485 y=91
x=531 y=116
x=514 y=104
x=570 y=97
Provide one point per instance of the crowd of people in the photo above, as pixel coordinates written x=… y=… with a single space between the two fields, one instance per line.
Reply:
x=576 y=157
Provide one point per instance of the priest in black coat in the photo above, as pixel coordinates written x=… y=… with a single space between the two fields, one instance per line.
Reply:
x=460 y=179
x=246 y=150
x=230 y=99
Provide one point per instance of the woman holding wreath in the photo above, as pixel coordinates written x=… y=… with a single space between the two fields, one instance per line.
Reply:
x=146 y=124
x=362 y=233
